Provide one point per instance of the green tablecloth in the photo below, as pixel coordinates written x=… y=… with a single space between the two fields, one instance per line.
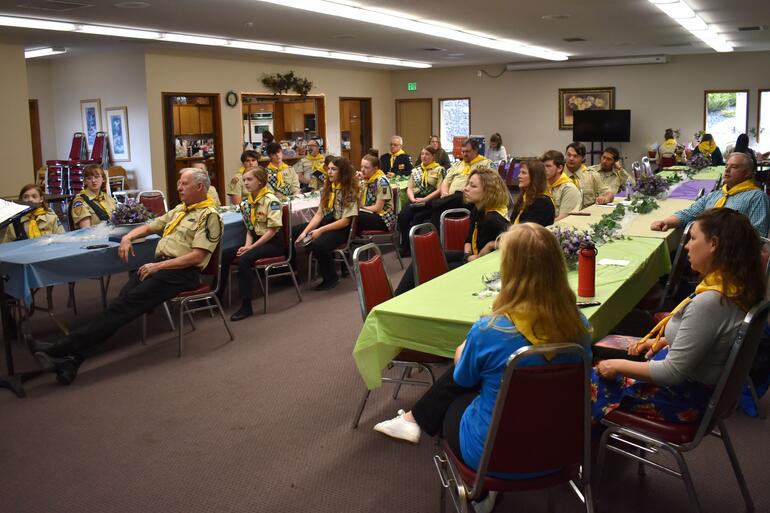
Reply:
x=709 y=173
x=436 y=316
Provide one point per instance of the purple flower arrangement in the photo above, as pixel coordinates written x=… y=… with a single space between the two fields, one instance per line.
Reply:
x=699 y=161
x=131 y=212
x=651 y=185
x=570 y=240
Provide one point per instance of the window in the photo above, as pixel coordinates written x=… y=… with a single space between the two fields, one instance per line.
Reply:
x=726 y=115
x=454 y=119
x=763 y=121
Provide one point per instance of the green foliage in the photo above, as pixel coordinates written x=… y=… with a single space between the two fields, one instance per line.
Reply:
x=720 y=101
x=608 y=228
x=282 y=82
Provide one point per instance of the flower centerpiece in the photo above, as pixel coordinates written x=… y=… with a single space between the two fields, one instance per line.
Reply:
x=130 y=213
x=699 y=161
x=570 y=240
x=651 y=185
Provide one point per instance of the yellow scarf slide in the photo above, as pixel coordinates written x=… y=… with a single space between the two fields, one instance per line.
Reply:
x=253 y=200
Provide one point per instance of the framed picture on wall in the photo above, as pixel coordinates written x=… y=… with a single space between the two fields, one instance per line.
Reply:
x=591 y=98
x=91 y=114
x=117 y=133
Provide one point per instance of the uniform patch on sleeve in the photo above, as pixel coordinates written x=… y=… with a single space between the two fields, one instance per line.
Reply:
x=234 y=180
x=77 y=204
x=385 y=189
x=275 y=205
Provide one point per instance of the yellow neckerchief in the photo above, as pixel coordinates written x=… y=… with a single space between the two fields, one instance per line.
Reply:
x=503 y=211
x=278 y=172
x=560 y=181
x=317 y=162
x=425 y=170
x=98 y=197
x=337 y=186
x=575 y=178
x=183 y=212
x=670 y=142
x=369 y=181
x=467 y=165
x=242 y=169
x=33 y=230
x=746 y=185
x=707 y=147
x=712 y=281
x=253 y=200
x=524 y=326
x=393 y=158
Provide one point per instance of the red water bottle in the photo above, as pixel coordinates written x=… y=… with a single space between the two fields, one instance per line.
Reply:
x=587 y=270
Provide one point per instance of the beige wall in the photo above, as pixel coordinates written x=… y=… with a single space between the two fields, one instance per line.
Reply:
x=218 y=73
x=15 y=139
x=523 y=105
x=40 y=84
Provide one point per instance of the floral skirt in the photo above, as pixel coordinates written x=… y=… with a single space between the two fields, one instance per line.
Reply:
x=682 y=403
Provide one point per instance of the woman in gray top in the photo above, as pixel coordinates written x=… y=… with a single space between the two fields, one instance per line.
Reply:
x=688 y=349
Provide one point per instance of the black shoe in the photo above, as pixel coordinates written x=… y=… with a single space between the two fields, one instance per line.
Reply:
x=344 y=272
x=327 y=285
x=405 y=253
x=38 y=346
x=66 y=368
x=243 y=312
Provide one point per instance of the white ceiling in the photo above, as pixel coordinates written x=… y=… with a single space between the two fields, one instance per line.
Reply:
x=610 y=28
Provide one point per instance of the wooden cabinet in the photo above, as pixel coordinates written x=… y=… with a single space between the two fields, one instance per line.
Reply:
x=193 y=120
x=294 y=115
x=206 y=120
x=176 y=120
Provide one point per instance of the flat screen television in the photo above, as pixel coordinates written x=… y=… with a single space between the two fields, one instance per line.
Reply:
x=601 y=125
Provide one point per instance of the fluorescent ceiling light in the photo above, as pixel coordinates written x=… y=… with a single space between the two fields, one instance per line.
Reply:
x=686 y=17
x=138 y=33
x=8 y=21
x=425 y=28
x=43 y=52
x=587 y=63
x=118 y=32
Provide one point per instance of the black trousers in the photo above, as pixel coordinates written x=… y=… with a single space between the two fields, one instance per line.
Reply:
x=441 y=408
x=136 y=297
x=409 y=216
x=440 y=205
x=323 y=247
x=371 y=221
x=273 y=248
x=454 y=260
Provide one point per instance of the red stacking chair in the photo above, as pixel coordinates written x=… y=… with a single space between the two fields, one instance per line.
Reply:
x=455 y=224
x=374 y=287
x=57 y=171
x=154 y=201
x=658 y=298
x=385 y=237
x=555 y=435
x=99 y=157
x=427 y=255
x=637 y=437
x=667 y=162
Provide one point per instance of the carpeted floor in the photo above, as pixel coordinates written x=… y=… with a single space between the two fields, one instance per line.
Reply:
x=262 y=424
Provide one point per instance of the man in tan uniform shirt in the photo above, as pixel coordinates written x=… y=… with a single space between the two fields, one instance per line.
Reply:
x=190 y=234
x=566 y=195
x=587 y=180
x=611 y=172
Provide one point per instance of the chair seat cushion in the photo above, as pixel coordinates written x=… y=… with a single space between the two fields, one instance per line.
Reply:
x=202 y=289
x=369 y=233
x=666 y=431
x=270 y=260
x=410 y=355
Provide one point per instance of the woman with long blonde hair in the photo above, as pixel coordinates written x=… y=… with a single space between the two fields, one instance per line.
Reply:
x=535 y=306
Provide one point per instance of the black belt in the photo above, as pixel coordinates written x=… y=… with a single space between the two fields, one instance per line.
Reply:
x=162 y=258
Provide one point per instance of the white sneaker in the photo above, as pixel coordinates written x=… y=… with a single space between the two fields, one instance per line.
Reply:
x=400 y=428
x=486 y=505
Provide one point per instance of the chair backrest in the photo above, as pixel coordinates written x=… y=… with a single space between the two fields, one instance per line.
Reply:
x=701 y=193
x=678 y=268
x=718 y=184
x=372 y=281
x=99 y=150
x=286 y=229
x=428 y=257
x=733 y=379
x=214 y=267
x=765 y=257
x=646 y=167
x=154 y=200
x=79 y=148
x=455 y=224
x=667 y=161
x=636 y=170
x=556 y=400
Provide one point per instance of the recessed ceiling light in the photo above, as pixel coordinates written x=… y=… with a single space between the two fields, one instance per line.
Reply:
x=132 y=5
x=343 y=36
x=434 y=50
x=43 y=52
x=573 y=39
x=555 y=17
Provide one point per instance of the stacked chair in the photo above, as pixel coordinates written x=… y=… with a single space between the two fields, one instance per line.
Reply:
x=66 y=176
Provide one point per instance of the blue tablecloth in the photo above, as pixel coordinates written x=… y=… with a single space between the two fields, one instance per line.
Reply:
x=37 y=263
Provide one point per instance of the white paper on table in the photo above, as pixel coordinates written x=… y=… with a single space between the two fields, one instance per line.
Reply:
x=612 y=261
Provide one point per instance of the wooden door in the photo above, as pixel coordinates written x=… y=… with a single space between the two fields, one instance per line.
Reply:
x=34 y=125
x=414 y=123
x=356 y=127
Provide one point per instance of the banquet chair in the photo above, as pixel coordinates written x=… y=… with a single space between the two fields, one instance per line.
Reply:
x=455 y=224
x=667 y=162
x=374 y=287
x=202 y=298
x=154 y=200
x=427 y=254
x=340 y=253
x=637 y=437
x=556 y=435
x=385 y=237
x=57 y=171
x=658 y=298
x=636 y=170
x=646 y=167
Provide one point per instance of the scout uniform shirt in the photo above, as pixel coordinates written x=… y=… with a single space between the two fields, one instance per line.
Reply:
x=82 y=207
x=235 y=187
x=566 y=196
x=379 y=189
x=265 y=213
x=338 y=205
x=47 y=223
x=198 y=228
x=214 y=195
x=615 y=179
x=425 y=180
x=589 y=183
x=283 y=180
x=312 y=168
x=458 y=174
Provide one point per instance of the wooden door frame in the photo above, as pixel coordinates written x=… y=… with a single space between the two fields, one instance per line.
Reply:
x=759 y=112
x=366 y=134
x=408 y=100
x=37 y=146
x=169 y=151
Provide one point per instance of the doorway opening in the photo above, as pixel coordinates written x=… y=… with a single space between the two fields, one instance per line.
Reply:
x=355 y=128
x=414 y=123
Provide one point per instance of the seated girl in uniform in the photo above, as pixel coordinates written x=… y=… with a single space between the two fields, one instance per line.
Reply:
x=40 y=221
x=534 y=204
x=424 y=185
x=93 y=205
x=330 y=226
x=262 y=215
x=375 y=204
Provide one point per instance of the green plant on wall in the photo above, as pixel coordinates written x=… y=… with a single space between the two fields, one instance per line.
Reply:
x=280 y=83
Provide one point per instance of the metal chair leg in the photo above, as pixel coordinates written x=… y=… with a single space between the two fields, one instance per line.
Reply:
x=224 y=319
x=761 y=412
x=686 y=477
x=169 y=316
x=103 y=287
x=736 y=466
x=71 y=299
x=182 y=307
x=395 y=242
x=266 y=290
x=360 y=409
x=398 y=386
x=49 y=305
x=296 y=285
x=309 y=268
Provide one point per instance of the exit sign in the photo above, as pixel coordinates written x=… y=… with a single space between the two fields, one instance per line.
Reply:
x=411 y=86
